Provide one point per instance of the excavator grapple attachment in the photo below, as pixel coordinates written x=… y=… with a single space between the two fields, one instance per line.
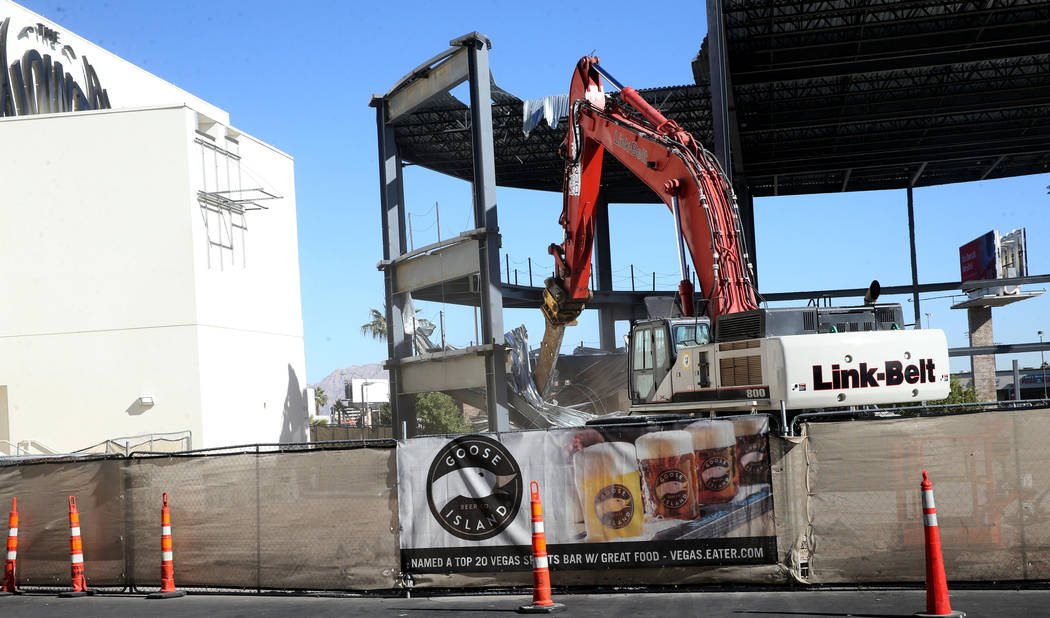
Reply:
x=559 y=309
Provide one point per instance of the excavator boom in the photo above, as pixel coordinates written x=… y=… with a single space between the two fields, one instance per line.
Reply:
x=669 y=161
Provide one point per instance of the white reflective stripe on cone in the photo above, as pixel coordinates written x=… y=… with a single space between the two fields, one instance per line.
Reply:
x=13 y=532
x=537 y=527
x=539 y=562
x=74 y=531
x=11 y=555
x=165 y=556
x=927 y=499
x=78 y=558
x=931 y=519
x=165 y=530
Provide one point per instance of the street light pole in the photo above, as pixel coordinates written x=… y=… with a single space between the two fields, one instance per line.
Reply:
x=1042 y=364
x=928 y=322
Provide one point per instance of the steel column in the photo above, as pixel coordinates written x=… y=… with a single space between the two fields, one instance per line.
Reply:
x=914 y=264
x=603 y=266
x=392 y=215
x=724 y=127
x=716 y=54
x=485 y=217
x=746 y=208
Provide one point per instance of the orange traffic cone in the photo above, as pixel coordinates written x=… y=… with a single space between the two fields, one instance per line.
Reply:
x=936 y=584
x=12 y=551
x=167 y=565
x=76 y=550
x=541 y=579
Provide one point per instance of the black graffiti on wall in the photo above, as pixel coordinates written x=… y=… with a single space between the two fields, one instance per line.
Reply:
x=38 y=84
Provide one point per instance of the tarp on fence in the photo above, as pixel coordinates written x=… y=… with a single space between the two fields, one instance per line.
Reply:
x=991 y=479
x=846 y=494
x=317 y=520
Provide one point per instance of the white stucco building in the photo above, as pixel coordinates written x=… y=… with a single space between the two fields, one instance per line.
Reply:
x=149 y=273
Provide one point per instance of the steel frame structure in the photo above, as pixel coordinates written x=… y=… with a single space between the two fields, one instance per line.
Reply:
x=472 y=256
x=818 y=97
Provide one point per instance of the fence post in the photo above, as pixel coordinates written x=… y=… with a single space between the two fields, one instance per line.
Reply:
x=258 y=525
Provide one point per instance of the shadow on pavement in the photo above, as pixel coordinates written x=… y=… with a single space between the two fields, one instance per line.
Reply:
x=511 y=610
x=836 y=614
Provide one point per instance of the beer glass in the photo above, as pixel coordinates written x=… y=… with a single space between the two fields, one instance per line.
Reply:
x=714 y=454
x=608 y=485
x=752 y=450
x=668 y=486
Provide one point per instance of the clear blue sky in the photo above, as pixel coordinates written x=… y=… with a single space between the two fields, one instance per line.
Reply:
x=300 y=75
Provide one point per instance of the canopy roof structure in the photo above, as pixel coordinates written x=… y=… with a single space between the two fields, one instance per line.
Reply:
x=825 y=96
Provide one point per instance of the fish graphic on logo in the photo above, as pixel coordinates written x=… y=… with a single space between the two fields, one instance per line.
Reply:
x=474 y=482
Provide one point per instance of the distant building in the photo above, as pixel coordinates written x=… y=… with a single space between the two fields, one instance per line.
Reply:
x=361 y=401
x=150 y=260
x=1031 y=383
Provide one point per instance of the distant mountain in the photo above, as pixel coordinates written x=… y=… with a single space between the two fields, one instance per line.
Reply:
x=333 y=382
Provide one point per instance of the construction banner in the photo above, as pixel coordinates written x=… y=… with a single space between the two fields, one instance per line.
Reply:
x=614 y=496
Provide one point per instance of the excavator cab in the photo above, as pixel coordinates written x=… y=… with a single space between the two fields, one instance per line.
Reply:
x=690 y=332
x=650 y=357
x=654 y=348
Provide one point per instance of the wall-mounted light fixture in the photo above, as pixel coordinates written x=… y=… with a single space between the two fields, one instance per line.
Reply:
x=146 y=401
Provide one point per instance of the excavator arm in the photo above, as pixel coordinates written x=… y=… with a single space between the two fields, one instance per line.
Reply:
x=671 y=163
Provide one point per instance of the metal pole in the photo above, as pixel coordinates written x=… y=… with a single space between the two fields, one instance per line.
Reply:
x=441 y=318
x=392 y=204
x=1017 y=381
x=485 y=216
x=914 y=264
x=476 y=340
x=632 y=277
x=411 y=243
x=506 y=261
x=530 y=272
x=719 y=95
x=437 y=216
x=681 y=240
x=515 y=276
x=654 y=280
x=784 y=429
x=1042 y=364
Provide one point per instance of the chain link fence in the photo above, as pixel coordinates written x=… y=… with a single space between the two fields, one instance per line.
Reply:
x=310 y=517
x=991 y=478
x=323 y=516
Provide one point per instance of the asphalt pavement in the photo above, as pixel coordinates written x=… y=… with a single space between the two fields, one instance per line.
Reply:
x=867 y=603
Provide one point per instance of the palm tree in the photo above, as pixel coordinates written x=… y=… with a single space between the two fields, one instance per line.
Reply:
x=376 y=326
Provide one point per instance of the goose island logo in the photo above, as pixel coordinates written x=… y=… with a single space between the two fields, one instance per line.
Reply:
x=474 y=487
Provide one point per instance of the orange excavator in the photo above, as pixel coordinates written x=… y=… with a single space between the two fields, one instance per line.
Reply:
x=722 y=352
x=671 y=163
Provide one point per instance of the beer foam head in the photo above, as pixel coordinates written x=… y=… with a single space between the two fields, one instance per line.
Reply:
x=659 y=444
x=751 y=425
x=606 y=459
x=708 y=434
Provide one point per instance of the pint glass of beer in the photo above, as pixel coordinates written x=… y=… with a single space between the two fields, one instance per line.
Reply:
x=752 y=450
x=668 y=486
x=714 y=452
x=608 y=485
